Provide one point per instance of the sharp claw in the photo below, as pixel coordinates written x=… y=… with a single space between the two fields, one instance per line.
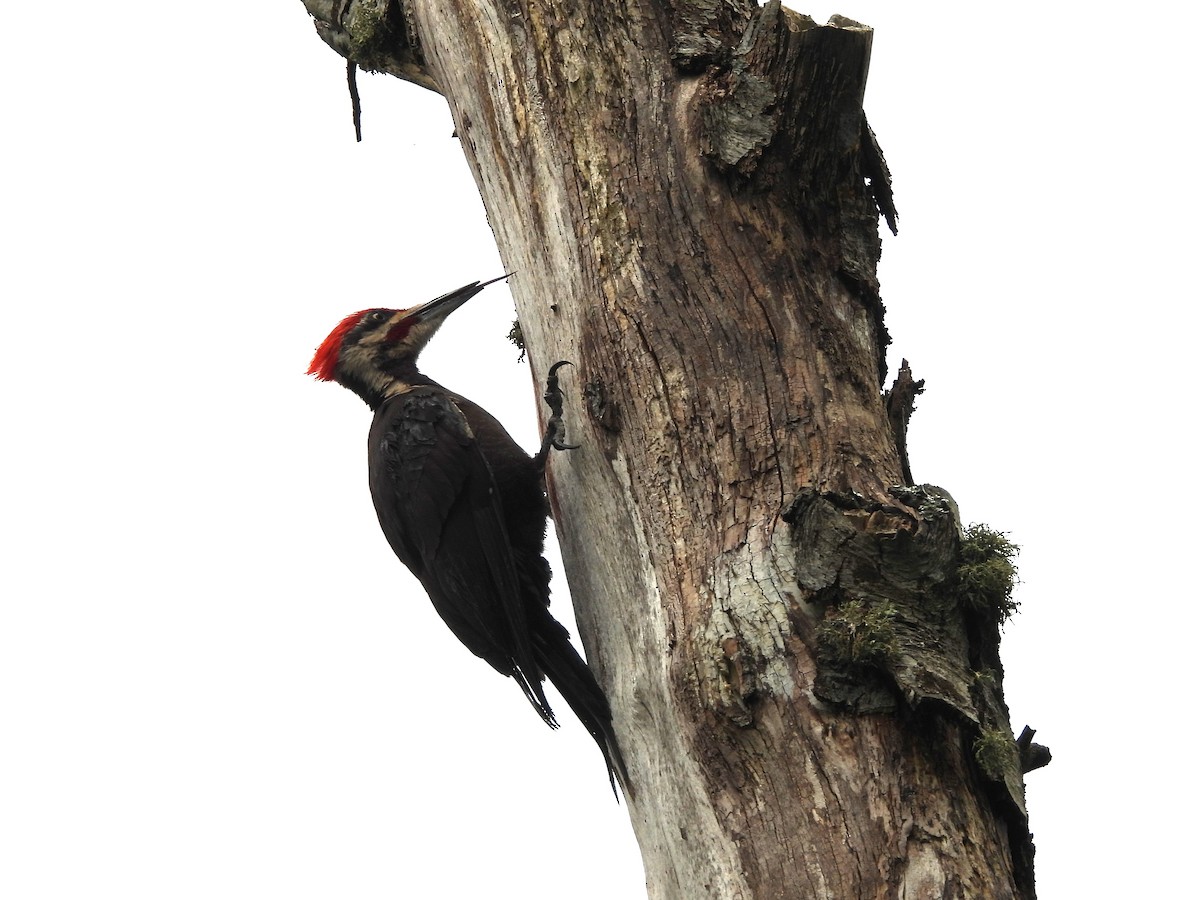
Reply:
x=553 y=395
x=554 y=427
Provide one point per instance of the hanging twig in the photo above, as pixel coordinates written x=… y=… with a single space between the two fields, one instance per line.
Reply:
x=355 y=104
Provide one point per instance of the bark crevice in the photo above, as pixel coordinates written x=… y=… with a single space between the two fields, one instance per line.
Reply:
x=785 y=115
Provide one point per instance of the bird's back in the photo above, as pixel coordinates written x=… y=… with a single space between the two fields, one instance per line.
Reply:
x=462 y=506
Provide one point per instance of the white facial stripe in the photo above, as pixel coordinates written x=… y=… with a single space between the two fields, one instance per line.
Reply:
x=359 y=360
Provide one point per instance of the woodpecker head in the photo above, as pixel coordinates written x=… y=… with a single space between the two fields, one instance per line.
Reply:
x=373 y=351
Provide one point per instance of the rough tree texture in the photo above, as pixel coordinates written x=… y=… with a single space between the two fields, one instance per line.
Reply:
x=689 y=193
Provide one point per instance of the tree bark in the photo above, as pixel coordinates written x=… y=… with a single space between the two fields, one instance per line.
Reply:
x=689 y=194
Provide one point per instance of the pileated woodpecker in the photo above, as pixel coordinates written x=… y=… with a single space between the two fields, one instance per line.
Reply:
x=464 y=507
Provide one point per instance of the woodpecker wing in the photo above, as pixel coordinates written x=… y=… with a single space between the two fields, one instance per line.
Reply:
x=438 y=505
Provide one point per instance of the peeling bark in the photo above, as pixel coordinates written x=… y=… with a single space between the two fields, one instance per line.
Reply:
x=689 y=193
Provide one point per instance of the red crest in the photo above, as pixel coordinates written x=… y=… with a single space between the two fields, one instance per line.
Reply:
x=325 y=360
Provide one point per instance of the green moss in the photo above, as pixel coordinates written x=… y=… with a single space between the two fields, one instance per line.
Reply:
x=986 y=572
x=369 y=31
x=854 y=632
x=996 y=753
x=517 y=338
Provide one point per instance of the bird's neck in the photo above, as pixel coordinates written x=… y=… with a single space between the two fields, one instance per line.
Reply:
x=380 y=385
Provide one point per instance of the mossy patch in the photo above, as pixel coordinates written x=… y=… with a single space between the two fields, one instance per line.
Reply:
x=987 y=573
x=856 y=633
x=996 y=753
x=370 y=33
x=517 y=338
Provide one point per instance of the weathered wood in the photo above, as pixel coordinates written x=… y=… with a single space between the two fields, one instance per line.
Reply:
x=900 y=402
x=689 y=195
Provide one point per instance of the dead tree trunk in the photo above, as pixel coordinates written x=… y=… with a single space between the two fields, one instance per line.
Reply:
x=688 y=192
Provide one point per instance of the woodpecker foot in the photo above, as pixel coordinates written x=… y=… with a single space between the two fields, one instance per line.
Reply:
x=555 y=431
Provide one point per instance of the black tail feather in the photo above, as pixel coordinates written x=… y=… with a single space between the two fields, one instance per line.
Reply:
x=574 y=680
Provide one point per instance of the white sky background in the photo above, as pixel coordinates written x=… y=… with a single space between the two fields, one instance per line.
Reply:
x=215 y=679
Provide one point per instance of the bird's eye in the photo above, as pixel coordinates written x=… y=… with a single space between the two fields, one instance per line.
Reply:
x=377 y=316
